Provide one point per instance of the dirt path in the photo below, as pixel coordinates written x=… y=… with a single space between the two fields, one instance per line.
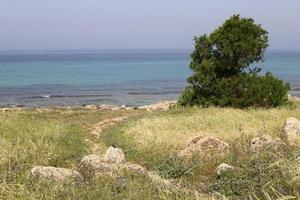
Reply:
x=96 y=131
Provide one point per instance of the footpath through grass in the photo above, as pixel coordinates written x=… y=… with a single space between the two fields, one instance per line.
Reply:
x=57 y=138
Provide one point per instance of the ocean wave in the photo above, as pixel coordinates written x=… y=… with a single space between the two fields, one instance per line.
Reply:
x=153 y=93
x=70 y=96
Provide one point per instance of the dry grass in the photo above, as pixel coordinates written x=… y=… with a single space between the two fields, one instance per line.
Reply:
x=154 y=141
x=177 y=127
x=57 y=138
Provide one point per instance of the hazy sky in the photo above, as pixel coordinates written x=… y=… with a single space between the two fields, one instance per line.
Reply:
x=136 y=24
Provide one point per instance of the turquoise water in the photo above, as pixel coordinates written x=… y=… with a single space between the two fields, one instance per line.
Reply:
x=120 y=77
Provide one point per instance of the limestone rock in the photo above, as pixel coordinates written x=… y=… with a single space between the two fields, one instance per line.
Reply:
x=55 y=174
x=222 y=168
x=126 y=107
x=163 y=106
x=108 y=163
x=109 y=107
x=292 y=127
x=90 y=106
x=93 y=164
x=295 y=98
x=114 y=155
x=113 y=163
x=263 y=142
x=201 y=144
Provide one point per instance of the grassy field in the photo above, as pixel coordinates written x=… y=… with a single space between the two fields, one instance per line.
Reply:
x=154 y=141
x=58 y=138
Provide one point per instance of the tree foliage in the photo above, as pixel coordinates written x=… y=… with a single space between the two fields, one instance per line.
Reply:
x=223 y=75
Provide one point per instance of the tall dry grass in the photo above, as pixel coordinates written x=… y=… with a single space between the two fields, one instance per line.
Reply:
x=178 y=126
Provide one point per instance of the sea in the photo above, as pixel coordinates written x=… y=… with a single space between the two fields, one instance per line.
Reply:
x=131 y=77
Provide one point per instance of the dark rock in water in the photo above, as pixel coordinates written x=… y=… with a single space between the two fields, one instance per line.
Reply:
x=13 y=106
x=20 y=106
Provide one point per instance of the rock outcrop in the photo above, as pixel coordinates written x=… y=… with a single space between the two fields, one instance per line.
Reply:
x=107 y=107
x=199 y=145
x=114 y=107
x=263 y=142
x=55 y=174
x=223 y=168
x=161 y=106
x=113 y=164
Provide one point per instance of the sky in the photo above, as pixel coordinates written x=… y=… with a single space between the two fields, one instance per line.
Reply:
x=136 y=24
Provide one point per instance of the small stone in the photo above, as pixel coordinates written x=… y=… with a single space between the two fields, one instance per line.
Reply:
x=263 y=142
x=199 y=145
x=114 y=155
x=126 y=107
x=55 y=174
x=222 y=168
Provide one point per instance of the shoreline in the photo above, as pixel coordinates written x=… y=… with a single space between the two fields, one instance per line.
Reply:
x=160 y=105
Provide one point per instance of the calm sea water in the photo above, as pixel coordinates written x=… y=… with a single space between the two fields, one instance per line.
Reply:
x=71 y=78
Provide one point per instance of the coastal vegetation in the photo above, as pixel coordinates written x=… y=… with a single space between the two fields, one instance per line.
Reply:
x=153 y=140
x=224 y=75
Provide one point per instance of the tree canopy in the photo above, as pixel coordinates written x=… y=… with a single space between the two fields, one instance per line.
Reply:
x=223 y=73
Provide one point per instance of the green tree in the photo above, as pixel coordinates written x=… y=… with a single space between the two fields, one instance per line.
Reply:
x=222 y=74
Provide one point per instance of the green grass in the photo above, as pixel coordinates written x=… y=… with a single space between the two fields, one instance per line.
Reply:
x=56 y=138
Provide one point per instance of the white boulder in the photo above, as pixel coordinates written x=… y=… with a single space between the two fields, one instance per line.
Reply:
x=55 y=174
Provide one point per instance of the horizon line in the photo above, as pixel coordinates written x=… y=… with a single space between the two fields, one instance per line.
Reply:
x=118 y=49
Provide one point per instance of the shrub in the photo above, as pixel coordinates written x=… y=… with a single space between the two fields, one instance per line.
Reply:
x=222 y=69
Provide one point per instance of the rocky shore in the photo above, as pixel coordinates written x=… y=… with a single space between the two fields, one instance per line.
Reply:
x=162 y=106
